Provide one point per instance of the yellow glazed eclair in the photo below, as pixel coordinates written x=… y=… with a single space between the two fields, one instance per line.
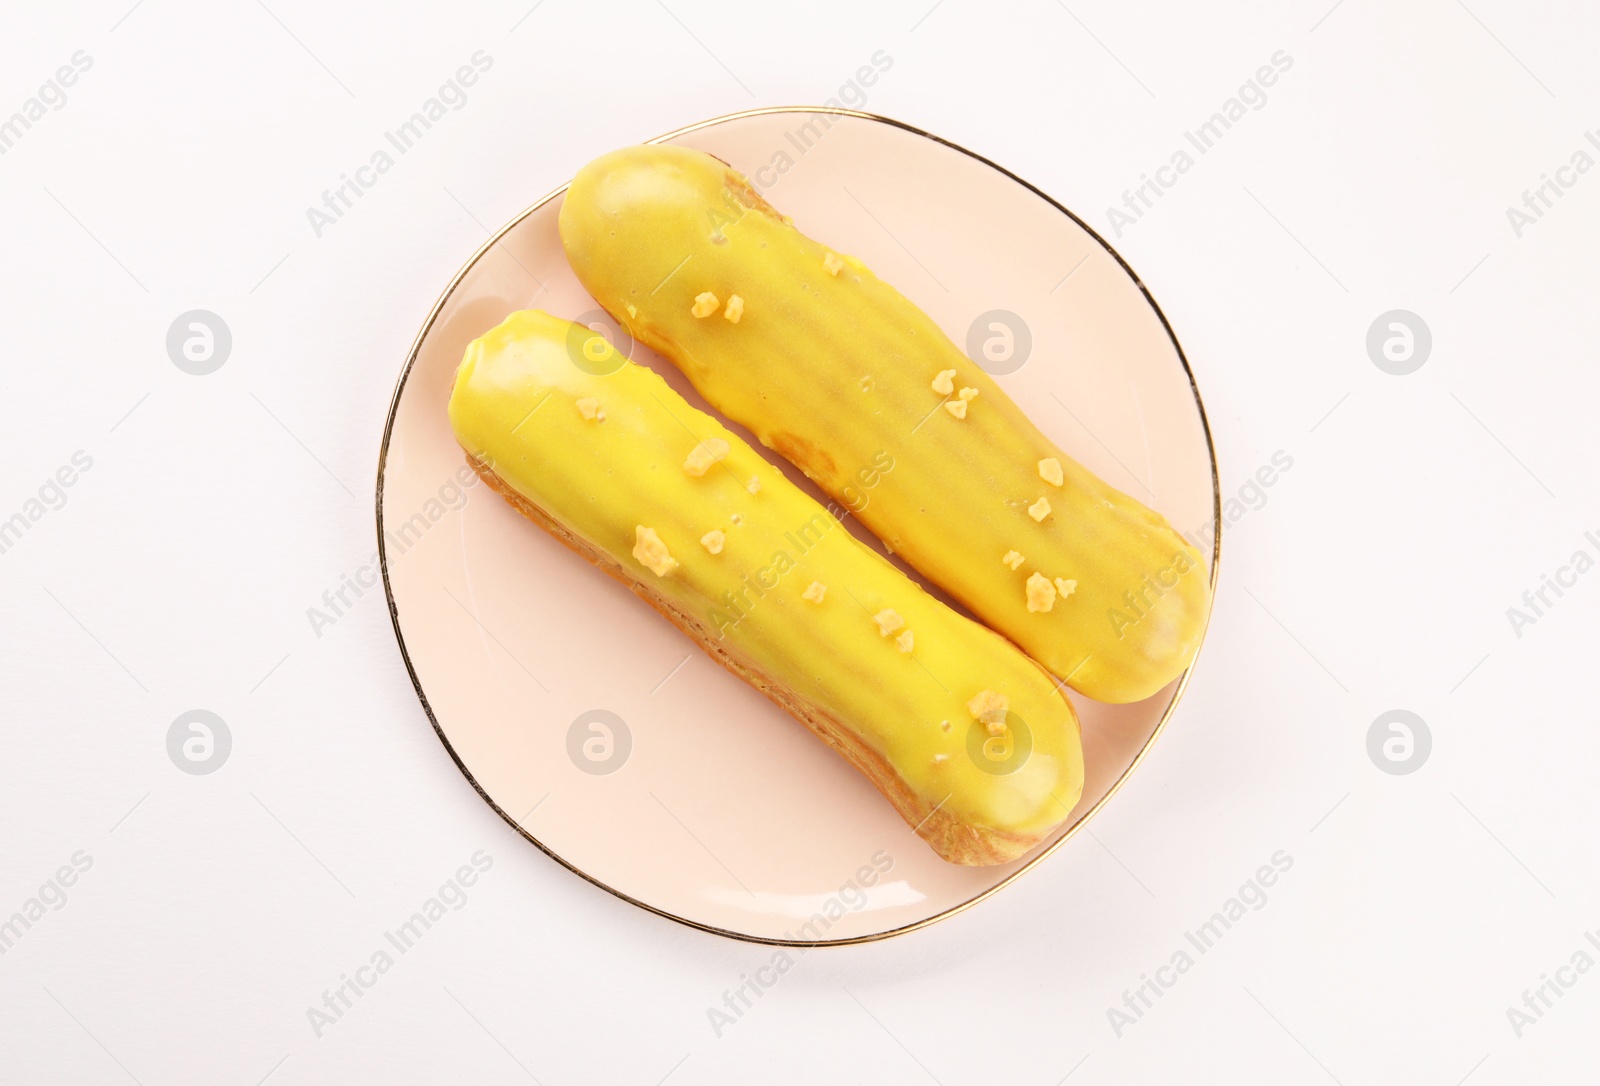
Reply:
x=971 y=741
x=830 y=366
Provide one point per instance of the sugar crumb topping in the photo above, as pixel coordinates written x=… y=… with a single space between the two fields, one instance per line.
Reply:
x=754 y=485
x=1050 y=471
x=713 y=540
x=1039 y=509
x=958 y=408
x=907 y=641
x=1013 y=559
x=734 y=309
x=888 y=622
x=969 y=394
x=590 y=408
x=990 y=708
x=1041 y=593
x=1065 y=587
x=648 y=548
x=705 y=304
x=814 y=592
x=942 y=383
x=703 y=455
x=832 y=263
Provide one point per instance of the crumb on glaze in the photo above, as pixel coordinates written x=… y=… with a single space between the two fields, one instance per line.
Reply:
x=989 y=708
x=703 y=455
x=1040 y=592
x=648 y=548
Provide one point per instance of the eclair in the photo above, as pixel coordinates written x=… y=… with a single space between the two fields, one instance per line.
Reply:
x=971 y=741
x=829 y=366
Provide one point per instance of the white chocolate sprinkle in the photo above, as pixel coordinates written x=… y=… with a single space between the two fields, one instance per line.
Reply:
x=1040 y=592
x=648 y=548
x=989 y=707
x=888 y=622
x=703 y=455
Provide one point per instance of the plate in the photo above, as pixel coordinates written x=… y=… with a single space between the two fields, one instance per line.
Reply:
x=599 y=731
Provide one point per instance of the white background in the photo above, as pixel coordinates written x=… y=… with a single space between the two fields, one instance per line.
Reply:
x=1376 y=576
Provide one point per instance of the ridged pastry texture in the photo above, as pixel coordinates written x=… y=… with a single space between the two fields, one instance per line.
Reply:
x=971 y=741
x=833 y=368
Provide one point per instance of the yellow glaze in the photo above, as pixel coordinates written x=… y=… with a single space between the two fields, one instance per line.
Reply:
x=834 y=369
x=515 y=407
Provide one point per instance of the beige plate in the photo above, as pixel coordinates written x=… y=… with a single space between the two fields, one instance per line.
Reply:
x=608 y=739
